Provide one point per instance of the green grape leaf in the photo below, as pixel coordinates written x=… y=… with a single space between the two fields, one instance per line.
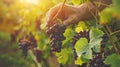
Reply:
x=97 y=48
x=95 y=34
x=69 y=33
x=80 y=26
x=95 y=39
x=84 y=49
x=64 y=55
x=79 y=61
x=113 y=60
x=88 y=54
x=81 y=46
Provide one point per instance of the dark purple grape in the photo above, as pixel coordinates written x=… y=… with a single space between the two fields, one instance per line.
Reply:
x=84 y=34
x=59 y=43
x=92 y=64
x=99 y=61
x=56 y=48
x=83 y=65
x=53 y=45
x=107 y=53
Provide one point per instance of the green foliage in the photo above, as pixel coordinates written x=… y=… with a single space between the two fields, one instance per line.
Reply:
x=79 y=61
x=80 y=26
x=110 y=12
x=116 y=3
x=95 y=38
x=105 y=16
x=69 y=33
x=84 y=48
x=81 y=46
x=64 y=55
x=113 y=60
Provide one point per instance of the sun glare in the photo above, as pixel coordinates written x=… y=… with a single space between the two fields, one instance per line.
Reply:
x=35 y=2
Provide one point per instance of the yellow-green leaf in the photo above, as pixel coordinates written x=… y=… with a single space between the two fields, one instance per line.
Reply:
x=78 y=61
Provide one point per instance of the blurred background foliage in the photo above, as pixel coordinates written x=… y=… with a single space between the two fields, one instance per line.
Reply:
x=19 y=18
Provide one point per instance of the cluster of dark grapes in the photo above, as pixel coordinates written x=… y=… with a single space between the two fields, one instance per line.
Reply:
x=38 y=54
x=24 y=45
x=56 y=36
x=77 y=37
x=98 y=60
x=28 y=43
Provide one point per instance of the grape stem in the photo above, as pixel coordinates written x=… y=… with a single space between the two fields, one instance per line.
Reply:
x=110 y=38
x=115 y=32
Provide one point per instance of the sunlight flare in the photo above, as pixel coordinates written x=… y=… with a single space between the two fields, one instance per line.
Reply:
x=35 y=2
